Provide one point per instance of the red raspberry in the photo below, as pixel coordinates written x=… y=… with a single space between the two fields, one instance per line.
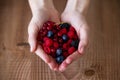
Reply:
x=56 y=45
x=60 y=40
x=47 y=50
x=69 y=41
x=71 y=34
x=65 y=54
x=75 y=37
x=48 y=42
x=71 y=50
x=53 y=50
x=63 y=31
x=72 y=29
x=59 y=34
x=65 y=46
x=49 y=27
x=50 y=23
x=45 y=38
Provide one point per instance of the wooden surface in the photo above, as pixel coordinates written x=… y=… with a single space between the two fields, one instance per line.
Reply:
x=102 y=58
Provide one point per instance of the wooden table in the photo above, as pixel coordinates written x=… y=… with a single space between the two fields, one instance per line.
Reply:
x=100 y=62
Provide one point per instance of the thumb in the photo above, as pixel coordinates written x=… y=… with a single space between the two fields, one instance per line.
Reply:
x=32 y=33
x=83 y=39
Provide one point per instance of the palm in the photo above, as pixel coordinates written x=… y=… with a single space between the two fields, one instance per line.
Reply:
x=79 y=23
x=35 y=24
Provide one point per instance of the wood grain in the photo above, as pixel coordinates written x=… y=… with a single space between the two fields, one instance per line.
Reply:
x=100 y=62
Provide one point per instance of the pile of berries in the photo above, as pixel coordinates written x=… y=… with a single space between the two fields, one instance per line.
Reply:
x=59 y=41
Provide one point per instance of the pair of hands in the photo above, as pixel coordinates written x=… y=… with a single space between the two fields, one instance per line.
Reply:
x=76 y=19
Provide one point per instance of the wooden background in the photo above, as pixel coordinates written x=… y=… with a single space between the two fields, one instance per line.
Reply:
x=100 y=62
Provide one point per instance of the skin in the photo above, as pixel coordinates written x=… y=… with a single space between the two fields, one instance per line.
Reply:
x=74 y=13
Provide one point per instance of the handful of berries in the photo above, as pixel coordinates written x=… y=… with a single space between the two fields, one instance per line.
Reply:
x=59 y=41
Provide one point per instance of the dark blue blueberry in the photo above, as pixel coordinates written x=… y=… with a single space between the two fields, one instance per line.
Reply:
x=58 y=52
x=65 y=25
x=59 y=59
x=75 y=43
x=50 y=34
x=64 y=37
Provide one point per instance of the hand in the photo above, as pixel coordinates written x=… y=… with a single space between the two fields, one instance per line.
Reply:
x=39 y=18
x=77 y=20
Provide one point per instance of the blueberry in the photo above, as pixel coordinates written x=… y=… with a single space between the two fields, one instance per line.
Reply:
x=59 y=59
x=64 y=37
x=65 y=25
x=75 y=43
x=50 y=34
x=58 y=52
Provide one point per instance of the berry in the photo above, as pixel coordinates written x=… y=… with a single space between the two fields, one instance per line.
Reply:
x=45 y=38
x=64 y=37
x=69 y=41
x=71 y=34
x=59 y=59
x=47 y=50
x=71 y=50
x=65 y=54
x=58 y=52
x=53 y=50
x=48 y=42
x=65 y=46
x=50 y=23
x=56 y=45
x=63 y=31
x=75 y=43
x=59 y=34
x=50 y=34
x=65 y=25
x=60 y=40
x=71 y=28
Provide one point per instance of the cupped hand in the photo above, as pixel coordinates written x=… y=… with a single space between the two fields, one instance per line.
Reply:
x=77 y=20
x=38 y=19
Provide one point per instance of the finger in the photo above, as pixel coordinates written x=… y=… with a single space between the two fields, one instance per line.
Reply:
x=48 y=59
x=83 y=39
x=69 y=60
x=32 y=32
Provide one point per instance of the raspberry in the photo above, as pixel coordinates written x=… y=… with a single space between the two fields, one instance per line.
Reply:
x=53 y=50
x=71 y=34
x=63 y=31
x=60 y=41
x=47 y=50
x=65 y=54
x=48 y=42
x=59 y=34
x=65 y=46
x=56 y=45
x=50 y=23
x=72 y=29
x=45 y=38
x=69 y=41
x=71 y=50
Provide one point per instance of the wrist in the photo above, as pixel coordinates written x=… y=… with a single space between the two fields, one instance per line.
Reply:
x=80 y=6
x=37 y=5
